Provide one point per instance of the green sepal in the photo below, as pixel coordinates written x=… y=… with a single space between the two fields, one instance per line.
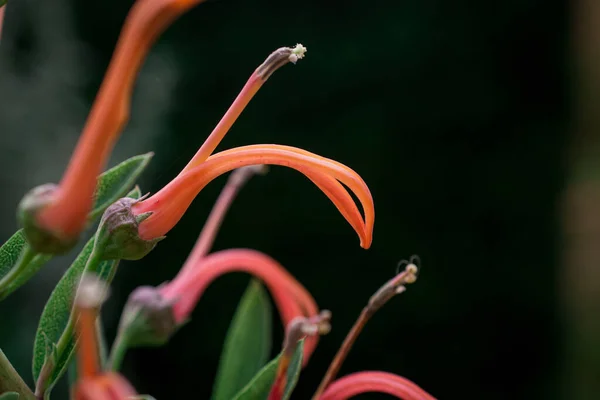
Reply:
x=56 y=325
x=247 y=344
x=142 y=397
x=9 y=395
x=39 y=238
x=260 y=386
x=3 y=2
x=118 y=232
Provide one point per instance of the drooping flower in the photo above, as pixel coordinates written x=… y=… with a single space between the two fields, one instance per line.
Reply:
x=291 y=298
x=159 y=213
x=54 y=215
x=152 y=314
x=374 y=381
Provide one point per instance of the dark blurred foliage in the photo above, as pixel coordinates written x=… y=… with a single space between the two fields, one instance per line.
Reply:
x=454 y=113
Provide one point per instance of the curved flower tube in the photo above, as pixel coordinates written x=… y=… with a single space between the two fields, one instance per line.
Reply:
x=169 y=204
x=63 y=212
x=374 y=381
x=291 y=298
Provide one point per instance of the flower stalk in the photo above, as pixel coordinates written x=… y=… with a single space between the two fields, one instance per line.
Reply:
x=298 y=329
x=386 y=292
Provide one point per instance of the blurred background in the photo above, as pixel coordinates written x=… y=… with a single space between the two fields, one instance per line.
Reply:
x=475 y=125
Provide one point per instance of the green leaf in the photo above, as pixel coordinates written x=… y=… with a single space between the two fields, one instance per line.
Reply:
x=10 y=252
x=260 y=386
x=18 y=263
x=55 y=329
x=117 y=181
x=142 y=397
x=9 y=395
x=247 y=345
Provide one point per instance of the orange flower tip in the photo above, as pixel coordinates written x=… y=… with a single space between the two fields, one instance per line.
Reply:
x=42 y=239
x=92 y=291
x=148 y=318
x=118 y=232
x=394 y=286
x=278 y=59
x=300 y=327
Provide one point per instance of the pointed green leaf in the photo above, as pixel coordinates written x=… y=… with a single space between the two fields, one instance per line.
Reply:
x=18 y=263
x=247 y=345
x=55 y=316
x=11 y=251
x=55 y=323
x=117 y=181
x=9 y=396
x=260 y=386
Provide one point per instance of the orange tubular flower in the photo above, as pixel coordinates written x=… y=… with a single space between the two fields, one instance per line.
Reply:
x=94 y=384
x=165 y=208
x=165 y=308
x=374 y=381
x=60 y=211
x=291 y=298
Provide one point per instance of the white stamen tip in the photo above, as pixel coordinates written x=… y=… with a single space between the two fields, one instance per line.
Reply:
x=298 y=53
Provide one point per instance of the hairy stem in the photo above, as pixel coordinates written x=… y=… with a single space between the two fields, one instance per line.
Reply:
x=11 y=381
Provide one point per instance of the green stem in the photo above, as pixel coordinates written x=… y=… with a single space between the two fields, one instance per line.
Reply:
x=11 y=381
x=27 y=254
x=118 y=350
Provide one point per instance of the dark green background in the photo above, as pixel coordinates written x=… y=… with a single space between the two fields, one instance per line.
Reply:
x=453 y=112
